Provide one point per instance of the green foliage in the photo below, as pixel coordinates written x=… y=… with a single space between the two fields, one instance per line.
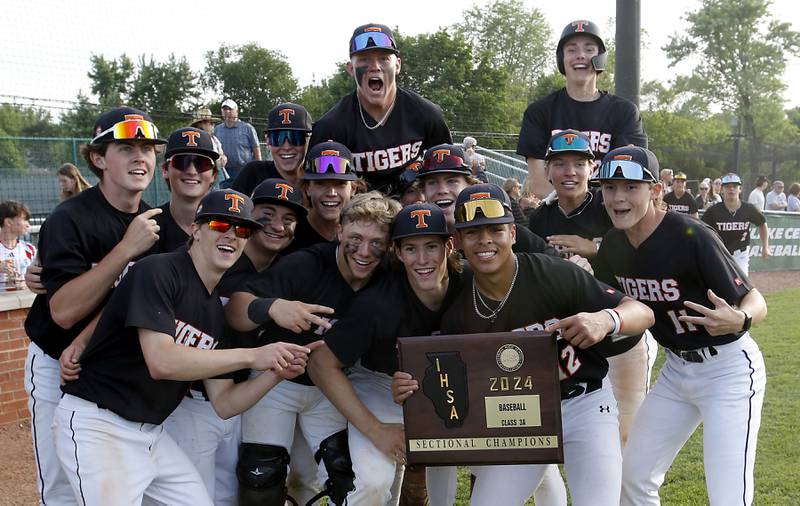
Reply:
x=318 y=98
x=163 y=90
x=16 y=121
x=255 y=77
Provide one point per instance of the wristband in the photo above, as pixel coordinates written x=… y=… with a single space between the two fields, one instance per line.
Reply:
x=258 y=310
x=614 y=316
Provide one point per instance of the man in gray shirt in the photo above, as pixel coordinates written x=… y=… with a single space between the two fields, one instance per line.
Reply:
x=239 y=140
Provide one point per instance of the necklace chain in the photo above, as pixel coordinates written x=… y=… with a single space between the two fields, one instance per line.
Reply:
x=476 y=295
x=383 y=119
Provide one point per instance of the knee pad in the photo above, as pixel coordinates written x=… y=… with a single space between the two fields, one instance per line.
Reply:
x=262 y=471
x=334 y=452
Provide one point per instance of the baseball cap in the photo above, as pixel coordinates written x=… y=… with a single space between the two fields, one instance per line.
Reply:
x=408 y=176
x=569 y=141
x=228 y=205
x=289 y=116
x=281 y=192
x=630 y=162
x=680 y=175
x=731 y=178
x=444 y=158
x=125 y=123
x=190 y=140
x=372 y=36
x=330 y=160
x=230 y=104
x=201 y=115
x=419 y=219
x=482 y=204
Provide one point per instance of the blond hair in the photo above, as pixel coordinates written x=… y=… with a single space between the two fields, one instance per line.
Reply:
x=371 y=207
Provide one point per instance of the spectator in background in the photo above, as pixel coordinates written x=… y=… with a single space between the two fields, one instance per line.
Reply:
x=679 y=200
x=528 y=201
x=239 y=141
x=793 y=201
x=70 y=181
x=666 y=180
x=756 y=196
x=776 y=199
x=15 y=254
x=514 y=190
x=717 y=187
x=475 y=161
x=203 y=119
x=705 y=196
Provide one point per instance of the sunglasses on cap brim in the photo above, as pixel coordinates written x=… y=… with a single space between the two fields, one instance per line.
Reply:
x=490 y=208
x=327 y=164
x=625 y=169
x=222 y=227
x=131 y=129
x=295 y=137
x=370 y=40
x=447 y=161
x=183 y=161
x=569 y=143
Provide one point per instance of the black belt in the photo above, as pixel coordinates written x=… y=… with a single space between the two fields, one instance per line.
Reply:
x=695 y=356
x=581 y=388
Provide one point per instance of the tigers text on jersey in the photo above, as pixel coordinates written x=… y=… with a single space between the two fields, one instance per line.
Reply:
x=734 y=227
x=163 y=293
x=609 y=122
x=547 y=289
x=680 y=261
x=380 y=314
x=77 y=235
x=312 y=276
x=414 y=125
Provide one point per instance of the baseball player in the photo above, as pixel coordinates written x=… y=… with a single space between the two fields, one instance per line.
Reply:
x=189 y=169
x=383 y=125
x=328 y=184
x=85 y=246
x=731 y=218
x=575 y=223
x=679 y=200
x=287 y=135
x=406 y=302
x=704 y=306
x=159 y=331
x=608 y=120
x=284 y=304
x=526 y=291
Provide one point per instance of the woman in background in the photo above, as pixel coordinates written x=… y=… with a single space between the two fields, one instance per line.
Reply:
x=70 y=181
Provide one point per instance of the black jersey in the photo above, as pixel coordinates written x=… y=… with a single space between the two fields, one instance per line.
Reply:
x=547 y=289
x=680 y=261
x=379 y=315
x=528 y=242
x=304 y=236
x=170 y=235
x=162 y=293
x=609 y=122
x=734 y=227
x=589 y=220
x=686 y=204
x=312 y=276
x=77 y=235
x=379 y=155
x=252 y=174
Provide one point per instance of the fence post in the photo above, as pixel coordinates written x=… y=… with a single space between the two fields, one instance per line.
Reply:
x=74 y=152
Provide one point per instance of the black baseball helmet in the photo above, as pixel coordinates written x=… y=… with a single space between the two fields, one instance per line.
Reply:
x=582 y=27
x=228 y=205
x=419 y=219
x=281 y=192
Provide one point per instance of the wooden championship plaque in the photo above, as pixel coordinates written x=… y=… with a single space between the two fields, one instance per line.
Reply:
x=483 y=399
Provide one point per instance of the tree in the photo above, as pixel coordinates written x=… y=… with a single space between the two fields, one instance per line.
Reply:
x=164 y=90
x=110 y=79
x=742 y=52
x=255 y=77
x=318 y=98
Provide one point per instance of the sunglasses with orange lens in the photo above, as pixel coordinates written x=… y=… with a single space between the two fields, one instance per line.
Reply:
x=223 y=226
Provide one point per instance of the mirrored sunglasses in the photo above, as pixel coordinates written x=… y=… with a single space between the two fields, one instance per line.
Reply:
x=371 y=40
x=183 y=161
x=490 y=208
x=131 y=129
x=278 y=137
x=222 y=227
x=330 y=163
x=624 y=169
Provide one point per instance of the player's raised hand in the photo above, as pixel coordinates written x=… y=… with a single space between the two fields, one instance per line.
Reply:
x=141 y=234
x=33 y=277
x=403 y=386
x=584 y=329
x=278 y=356
x=298 y=316
x=390 y=439
x=719 y=320
x=574 y=244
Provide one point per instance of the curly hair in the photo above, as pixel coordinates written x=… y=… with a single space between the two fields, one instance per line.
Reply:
x=371 y=207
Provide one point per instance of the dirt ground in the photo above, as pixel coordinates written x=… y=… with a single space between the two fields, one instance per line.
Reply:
x=17 y=468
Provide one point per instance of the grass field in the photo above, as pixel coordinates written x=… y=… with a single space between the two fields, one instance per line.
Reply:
x=778 y=457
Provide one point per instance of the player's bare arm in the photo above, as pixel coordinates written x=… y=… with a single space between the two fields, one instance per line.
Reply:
x=326 y=373
x=587 y=329
x=80 y=296
x=403 y=386
x=540 y=186
x=725 y=319
x=574 y=244
x=246 y=312
x=166 y=360
x=763 y=233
